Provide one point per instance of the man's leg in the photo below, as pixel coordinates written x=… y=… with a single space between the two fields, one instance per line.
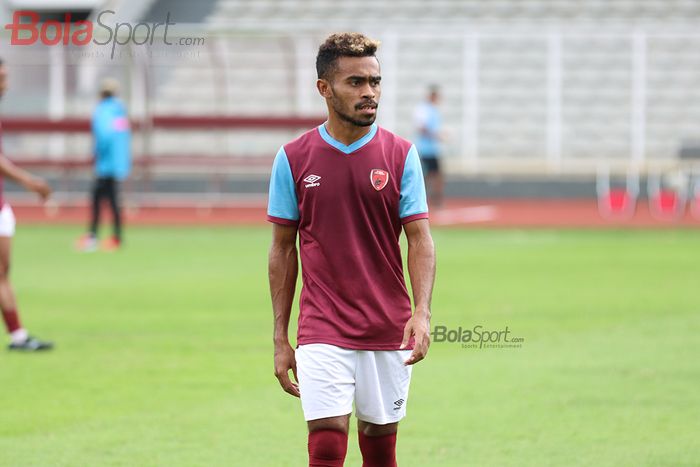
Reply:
x=428 y=177
x=97 y=191
x=377 y=443
x=8 y=303
x=112 y=189
x=430 y=188
x=425 y=166
x=434 y=184
x=382 y=384
x=328 y=441
x=438 y=186
x=88 y=242
x=20 y=339
x=327 y=386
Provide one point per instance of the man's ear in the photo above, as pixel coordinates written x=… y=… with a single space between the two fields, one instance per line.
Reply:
x=324 y=88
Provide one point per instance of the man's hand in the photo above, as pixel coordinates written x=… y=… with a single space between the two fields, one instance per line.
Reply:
x=40 y=187
x=419 y=327
x=27 y=180
x=285 y=361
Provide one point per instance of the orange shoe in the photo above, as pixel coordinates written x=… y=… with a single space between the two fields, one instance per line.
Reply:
x=110 y=244
x=86 y=243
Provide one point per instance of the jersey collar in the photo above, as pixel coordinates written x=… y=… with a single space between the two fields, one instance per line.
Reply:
x=342 y=147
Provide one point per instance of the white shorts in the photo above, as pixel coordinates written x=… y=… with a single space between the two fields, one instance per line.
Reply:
x=7 y=221
x=332 y=378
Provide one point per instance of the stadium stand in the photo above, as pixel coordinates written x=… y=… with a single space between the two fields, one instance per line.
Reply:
x=530 y=86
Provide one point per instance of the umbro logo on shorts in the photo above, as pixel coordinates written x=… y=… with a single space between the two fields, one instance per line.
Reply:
x=398 y=404
x=312 y=180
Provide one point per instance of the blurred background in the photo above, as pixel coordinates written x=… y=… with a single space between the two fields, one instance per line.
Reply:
x=593 y=104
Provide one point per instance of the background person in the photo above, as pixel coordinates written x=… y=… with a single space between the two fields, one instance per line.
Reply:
x=428 y=122
x=112 y=139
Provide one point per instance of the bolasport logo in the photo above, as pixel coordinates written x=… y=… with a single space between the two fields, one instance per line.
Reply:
x=26 y=29
x=477 y=337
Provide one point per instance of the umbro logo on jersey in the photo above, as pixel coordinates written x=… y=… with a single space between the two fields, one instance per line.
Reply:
x=312 y=180
x=398 y=404
x=379 y=178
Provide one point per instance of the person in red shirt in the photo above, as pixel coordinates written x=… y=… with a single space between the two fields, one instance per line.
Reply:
x=19 y=337
x=347 y=189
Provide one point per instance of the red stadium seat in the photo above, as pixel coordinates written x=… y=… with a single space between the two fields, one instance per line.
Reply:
x=667 y=204
x=617 y=203
x=615 y=200
x=667 y=201
x=618 y=200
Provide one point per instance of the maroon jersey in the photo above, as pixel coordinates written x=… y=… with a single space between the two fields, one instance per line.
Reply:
x=349 y=203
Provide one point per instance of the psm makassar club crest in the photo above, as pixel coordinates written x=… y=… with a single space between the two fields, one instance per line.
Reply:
x=379 y=178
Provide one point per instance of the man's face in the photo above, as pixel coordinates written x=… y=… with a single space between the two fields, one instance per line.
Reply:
x=3 y=80
x=353 y=90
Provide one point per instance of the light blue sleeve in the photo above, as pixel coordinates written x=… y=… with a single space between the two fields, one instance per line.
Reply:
x=283 y=197
x=412 y=200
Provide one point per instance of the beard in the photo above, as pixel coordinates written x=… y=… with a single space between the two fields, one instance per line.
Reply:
x=361 y=121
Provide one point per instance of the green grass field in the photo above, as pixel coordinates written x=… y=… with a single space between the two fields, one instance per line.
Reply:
x=164 y=353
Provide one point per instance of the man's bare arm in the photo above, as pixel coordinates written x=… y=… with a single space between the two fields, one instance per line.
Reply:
x=24 y=178
x=282 y=271
x=421 y=269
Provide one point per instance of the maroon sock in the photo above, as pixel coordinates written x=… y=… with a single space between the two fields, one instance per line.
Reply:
x=327 y=448
x=11 y=319
x=378 y=451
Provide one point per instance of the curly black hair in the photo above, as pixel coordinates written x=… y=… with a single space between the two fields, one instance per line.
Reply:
x=345 y=44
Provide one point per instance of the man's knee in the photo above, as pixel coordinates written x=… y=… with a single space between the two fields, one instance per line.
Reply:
x=327 y=448
x=340 y=423
x=372 y=429
x=328 y=441
x=377 y=444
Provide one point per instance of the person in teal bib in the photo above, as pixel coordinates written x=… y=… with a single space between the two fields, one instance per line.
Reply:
x=428 y=124
x=112 y=139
